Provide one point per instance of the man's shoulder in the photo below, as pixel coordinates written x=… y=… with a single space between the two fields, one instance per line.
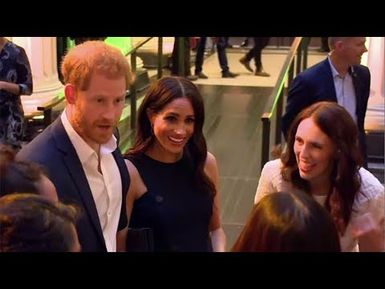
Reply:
x=314 y=75
x=39 y=150
x=43 y=137
x=273 y=165
x=41 y=147
x=315 y=69
x=362 y=70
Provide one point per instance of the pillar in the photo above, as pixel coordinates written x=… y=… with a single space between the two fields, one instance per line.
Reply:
x=374 y=120
x=42 y=55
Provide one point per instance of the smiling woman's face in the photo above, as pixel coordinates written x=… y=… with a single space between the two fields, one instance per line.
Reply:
x=314 y=151
x=173 y=126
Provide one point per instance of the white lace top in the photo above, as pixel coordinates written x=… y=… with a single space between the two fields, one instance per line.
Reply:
x=372 y=199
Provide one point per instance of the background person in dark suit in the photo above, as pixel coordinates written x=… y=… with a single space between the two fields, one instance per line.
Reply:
x=340 y=78
x=79 y=150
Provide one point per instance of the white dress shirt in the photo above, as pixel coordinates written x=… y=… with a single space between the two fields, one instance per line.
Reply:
x=106 y=187
x=345 y=93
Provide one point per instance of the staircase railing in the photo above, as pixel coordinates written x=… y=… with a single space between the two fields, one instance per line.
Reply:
x=274 y=105
x=133 y=91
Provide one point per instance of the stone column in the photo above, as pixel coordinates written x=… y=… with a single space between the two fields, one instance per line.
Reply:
x=374 y=120
x=42 y=56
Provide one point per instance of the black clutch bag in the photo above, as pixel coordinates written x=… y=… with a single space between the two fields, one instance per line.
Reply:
x=140 y=240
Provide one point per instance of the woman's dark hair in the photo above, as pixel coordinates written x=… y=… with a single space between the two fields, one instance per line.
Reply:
x=32 y=223
x=288 y=222
x=18 y=176
x=159 y=95
x=334 y=121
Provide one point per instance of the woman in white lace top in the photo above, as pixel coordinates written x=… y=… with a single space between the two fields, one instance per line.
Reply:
x=322 y=158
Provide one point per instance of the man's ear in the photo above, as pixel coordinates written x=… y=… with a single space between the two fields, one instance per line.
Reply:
x=70 y=93
x=339 y=45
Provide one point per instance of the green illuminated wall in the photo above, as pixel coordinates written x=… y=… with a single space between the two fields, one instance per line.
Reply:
x=123 y=43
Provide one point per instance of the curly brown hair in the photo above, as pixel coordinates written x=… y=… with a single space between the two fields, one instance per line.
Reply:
x=333 y=120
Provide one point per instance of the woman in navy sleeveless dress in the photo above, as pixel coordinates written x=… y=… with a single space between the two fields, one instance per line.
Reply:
x=174 y=180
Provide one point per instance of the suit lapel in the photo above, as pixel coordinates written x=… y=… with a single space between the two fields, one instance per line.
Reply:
x=123 y=170
x=75 y=170
x=357 y=89
x=329 y=81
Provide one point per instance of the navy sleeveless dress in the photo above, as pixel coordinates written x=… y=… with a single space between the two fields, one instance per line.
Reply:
x=177 y=212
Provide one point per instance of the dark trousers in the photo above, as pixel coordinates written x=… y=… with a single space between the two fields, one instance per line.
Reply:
x=221 y=49
x=324 y=44
x=186 y=57
x=256 y=51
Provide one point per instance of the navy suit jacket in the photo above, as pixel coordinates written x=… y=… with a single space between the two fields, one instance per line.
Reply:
x=317 y=84
x=54 y=150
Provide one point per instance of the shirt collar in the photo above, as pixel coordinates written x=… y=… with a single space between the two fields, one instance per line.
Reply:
x=334 y=70
x=83 y=149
